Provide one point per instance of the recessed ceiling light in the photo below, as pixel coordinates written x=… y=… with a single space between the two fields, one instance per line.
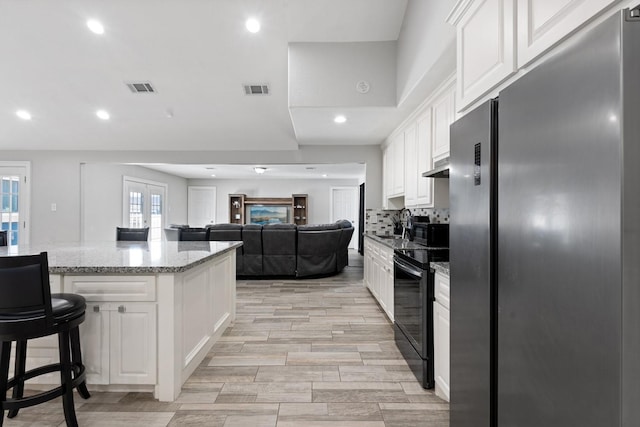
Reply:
x=252 y=24
x=324 y=175
x=213 y=175
x=102 y=114
x=340 y=119
x=95 y=26
x=23 y=114
x=260 y=170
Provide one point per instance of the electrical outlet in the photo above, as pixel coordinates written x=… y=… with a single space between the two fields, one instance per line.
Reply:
x=54 y=207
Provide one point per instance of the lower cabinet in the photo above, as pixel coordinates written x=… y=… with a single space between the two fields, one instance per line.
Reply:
x=378 y=274
x=441 y=336
x=119 y=343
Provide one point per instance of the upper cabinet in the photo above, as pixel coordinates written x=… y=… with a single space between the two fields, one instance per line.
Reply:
x=542 y=23
x=411 y=172
x=424 y=187
x=490 y=49
x=444 y=113
x=485 y=46
x=393 y=169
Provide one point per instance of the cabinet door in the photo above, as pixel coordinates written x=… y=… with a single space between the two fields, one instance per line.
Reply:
x=133 y=344
x=410 y=167
x=424 y=188
x=398 y=165
x=543 y=23
x=94 y=342
x=376 y=278
x=441 y=327
x=387 y=174
x=443 y=111
x=389 y=291
x=486 y=48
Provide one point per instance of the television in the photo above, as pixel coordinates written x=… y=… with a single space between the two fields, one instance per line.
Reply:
x=268 y=214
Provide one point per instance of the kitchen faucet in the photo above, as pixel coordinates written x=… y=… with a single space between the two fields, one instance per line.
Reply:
x=409 y=225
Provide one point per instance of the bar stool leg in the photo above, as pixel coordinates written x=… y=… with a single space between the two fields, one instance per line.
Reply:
x=76 y=356
x=5 y=353
x=66 y=379
x=21 y=361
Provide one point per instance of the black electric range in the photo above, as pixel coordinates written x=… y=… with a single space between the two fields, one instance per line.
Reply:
x=414 y=296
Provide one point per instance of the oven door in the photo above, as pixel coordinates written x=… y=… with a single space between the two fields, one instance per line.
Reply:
x=411 y=304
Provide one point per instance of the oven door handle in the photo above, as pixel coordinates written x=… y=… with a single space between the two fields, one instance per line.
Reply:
x=402 y=265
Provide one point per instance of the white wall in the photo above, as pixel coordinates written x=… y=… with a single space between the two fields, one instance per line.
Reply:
x=426 y=50
x=319 y=192
x=55 y=178
x=325 y=74
x=101 y=200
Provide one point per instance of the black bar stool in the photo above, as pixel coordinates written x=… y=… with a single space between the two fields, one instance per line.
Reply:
x=28 y=310
x=132 y=234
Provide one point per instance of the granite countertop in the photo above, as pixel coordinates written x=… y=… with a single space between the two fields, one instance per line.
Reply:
x=394 y=242
x=441 y=267
x=124 y=257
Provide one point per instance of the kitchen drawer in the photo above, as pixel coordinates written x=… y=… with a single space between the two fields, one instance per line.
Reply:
x=442 y=289
x=112 y=288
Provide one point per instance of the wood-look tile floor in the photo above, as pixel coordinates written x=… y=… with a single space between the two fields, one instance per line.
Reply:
x=309 y=353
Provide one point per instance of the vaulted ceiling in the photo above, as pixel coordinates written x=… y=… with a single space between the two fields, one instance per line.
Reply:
x=197 y=54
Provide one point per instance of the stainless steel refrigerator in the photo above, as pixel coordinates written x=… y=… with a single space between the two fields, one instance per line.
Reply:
x=545 y=242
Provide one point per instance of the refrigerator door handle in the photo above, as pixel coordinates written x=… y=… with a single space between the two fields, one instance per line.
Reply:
x=407 y=268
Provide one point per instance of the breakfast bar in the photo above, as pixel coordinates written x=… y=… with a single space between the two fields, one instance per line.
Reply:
x=154 y=309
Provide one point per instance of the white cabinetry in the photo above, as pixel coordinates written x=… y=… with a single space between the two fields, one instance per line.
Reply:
x=441 y=335
x=378 y=274
x=485 y=46
x=424 y=187
x=393 y=172
x=542 y=23
x=444 y=114
x=411 y=172
x=489 y=49
x=118 y=336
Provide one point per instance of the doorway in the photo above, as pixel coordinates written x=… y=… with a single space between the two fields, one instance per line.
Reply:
x=344 y=205
x=201 y=202
x=143 y=204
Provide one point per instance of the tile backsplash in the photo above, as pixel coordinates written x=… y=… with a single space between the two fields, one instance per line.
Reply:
x=379 y=221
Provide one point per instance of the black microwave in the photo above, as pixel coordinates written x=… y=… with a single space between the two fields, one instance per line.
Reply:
x=432 y=235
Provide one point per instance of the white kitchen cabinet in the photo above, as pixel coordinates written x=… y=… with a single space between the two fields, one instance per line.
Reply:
x=379 y=274
x=411 y=172
x=543 y=23
x=393 y=173
x=387 y=175
x=441 y=336
x=424 y=187
x=443 y=114
x=485 y=46
x=398 y=165
x=119 y=343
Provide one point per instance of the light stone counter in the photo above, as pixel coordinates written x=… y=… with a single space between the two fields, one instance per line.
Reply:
x=441 y=267
x=124 y=257
x=154 y=310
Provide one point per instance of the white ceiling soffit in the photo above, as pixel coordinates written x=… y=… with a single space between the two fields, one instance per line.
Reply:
x=290 y=171
x=198 y=55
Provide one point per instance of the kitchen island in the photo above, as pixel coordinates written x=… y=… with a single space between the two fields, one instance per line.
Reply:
x=154 y=309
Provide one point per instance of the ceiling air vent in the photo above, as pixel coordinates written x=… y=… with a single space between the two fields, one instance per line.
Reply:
x=256 y=89
x=141 y=87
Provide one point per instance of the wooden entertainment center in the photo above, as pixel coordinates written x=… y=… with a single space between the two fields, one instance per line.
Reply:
x=239 y=203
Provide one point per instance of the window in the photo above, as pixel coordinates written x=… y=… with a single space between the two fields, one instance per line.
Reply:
x=143 y=206
x=13 y=201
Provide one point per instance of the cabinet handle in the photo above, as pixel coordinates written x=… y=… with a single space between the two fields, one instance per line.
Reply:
x=96 y=309
x=122 y=309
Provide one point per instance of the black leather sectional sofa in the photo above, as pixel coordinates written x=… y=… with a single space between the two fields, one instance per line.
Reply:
x=287 y=249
